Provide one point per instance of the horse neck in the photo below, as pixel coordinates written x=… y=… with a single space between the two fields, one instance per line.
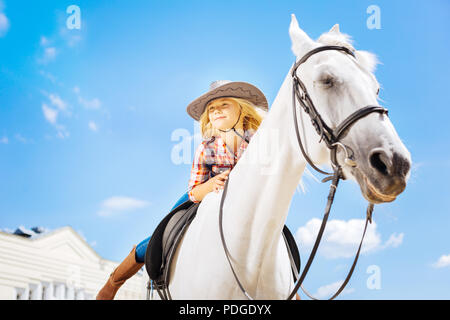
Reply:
x=262 y=184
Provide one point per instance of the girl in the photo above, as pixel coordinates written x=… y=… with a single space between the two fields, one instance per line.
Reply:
x=228 y=119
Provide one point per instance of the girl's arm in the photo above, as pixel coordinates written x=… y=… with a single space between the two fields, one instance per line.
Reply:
x=214 y=184
x=201 y=190
x=199 y=173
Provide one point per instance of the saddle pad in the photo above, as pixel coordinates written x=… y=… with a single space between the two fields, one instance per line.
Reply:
x=168 y=233
x=154 y=254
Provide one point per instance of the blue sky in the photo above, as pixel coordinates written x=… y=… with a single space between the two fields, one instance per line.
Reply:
x=87 y=117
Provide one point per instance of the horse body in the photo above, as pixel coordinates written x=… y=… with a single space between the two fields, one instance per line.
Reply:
x=263 y=182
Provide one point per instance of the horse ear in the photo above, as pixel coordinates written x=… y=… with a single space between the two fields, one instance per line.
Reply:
x=335 y=29
x=300 y=40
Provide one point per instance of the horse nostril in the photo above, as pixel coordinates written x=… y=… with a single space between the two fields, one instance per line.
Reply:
x=380 y=161
x=401 y=165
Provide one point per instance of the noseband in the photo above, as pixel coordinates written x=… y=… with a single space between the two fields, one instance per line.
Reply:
x=332 y=139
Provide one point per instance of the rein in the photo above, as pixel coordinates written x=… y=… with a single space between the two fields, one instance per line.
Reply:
x=332 y=138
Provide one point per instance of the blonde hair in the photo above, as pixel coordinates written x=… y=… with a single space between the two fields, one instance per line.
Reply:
x=250 y=118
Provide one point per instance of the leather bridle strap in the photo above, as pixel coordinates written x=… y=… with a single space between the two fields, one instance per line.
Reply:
x=324 y=131
x=331 y=195
x=349 y=275
x=348 y=123
x=305 y=154
x=336 y=134
x=319 y=49
x=332 y=140
x=369 y=212
x=355 y=116
x=224 y=244
x=330 y=136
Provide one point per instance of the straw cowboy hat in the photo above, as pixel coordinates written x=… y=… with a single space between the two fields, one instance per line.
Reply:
x=226 y=88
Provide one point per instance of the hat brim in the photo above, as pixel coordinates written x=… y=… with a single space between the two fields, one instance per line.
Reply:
x=236 y=89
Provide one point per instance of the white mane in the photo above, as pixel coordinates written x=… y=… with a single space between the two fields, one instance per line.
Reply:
x=334 y=37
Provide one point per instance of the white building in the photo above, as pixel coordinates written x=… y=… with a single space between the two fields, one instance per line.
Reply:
x=57 y=265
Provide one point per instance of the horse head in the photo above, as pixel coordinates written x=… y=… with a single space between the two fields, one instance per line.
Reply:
x=339 y=84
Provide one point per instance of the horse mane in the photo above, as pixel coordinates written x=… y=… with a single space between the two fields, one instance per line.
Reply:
x=336 y=39
x=367 y=59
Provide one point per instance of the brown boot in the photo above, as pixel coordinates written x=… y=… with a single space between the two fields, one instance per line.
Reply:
x=122 y=273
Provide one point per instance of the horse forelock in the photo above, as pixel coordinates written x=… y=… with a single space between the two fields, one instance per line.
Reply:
x=336 y=39
x=366 y=59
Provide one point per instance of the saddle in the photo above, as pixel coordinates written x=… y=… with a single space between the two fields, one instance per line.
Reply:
x=167 y=235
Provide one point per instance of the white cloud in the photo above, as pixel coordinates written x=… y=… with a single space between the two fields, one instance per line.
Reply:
x=4 y=140
x=93 y=126
x=62 y=131
x=49 y=53
x=341 y=238
x=50 y=114
x=443 y=261
x=119 y=204
x=19 y=137
x=71 y=37
x=57 y=101
x=94 y=103
x=4 y=22
x=326 y=292
x=44 y=41
x=90 y=104
x=49 y=76
x=394 y=241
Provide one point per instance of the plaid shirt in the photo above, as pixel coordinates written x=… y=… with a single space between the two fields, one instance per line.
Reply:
x=213 y=157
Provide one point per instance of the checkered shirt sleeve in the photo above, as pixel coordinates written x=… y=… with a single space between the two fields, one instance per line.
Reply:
x=199 y=172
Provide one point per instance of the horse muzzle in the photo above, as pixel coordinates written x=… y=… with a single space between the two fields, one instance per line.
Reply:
x=384 y=177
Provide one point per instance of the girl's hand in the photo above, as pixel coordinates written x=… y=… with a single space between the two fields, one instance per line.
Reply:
x=218 y=182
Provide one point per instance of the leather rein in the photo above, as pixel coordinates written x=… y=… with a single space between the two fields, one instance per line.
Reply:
x=332 y=138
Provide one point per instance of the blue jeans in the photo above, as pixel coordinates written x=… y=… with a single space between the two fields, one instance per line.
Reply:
x=141 y=248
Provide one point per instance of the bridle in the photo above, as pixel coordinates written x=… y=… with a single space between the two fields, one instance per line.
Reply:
x=332 y=139
x=330 y=136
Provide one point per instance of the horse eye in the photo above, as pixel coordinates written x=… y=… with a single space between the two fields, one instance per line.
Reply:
x=378 y=91
x=327 y=82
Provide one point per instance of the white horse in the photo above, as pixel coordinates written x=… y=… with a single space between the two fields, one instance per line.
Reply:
x=263 y=182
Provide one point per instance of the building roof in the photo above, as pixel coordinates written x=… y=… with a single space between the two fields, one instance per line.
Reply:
x=66 y=241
